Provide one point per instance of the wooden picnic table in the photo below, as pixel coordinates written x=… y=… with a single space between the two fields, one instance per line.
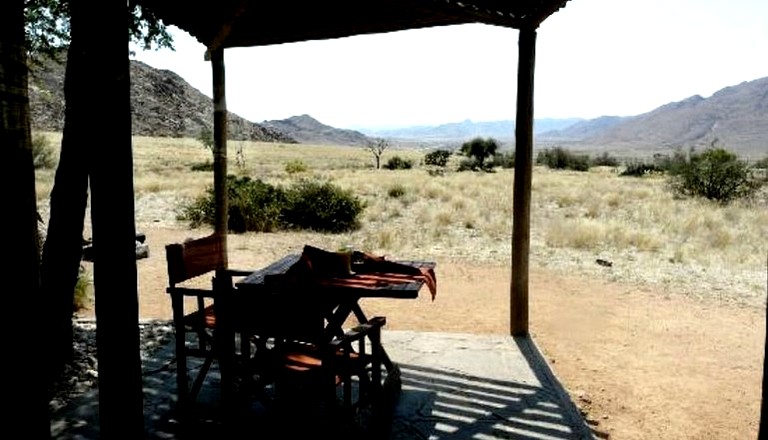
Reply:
x=275 y=301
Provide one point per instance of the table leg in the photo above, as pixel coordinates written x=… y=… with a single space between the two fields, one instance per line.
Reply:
x=362 y=319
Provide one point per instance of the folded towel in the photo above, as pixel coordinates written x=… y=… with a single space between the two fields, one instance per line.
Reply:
x=370 y=271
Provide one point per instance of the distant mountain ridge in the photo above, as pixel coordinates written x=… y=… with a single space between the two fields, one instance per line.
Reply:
x=163 y=104
x=306 y=129
x=736 y=117
x=465 y=130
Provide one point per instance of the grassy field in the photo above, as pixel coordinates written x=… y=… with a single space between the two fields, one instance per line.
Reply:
x=687 y=246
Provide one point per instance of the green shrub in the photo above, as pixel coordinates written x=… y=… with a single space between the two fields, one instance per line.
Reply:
x=398 y=163
x=260 y=207
x=321 y=206
x=761 y=164
x=202 y=166
x=295 y=167
x=638 y=168
x=42 y=152
x=504 y=160
x=479 y=149
x=396 y=191
x=715 y=174
x=605 y=160
x=671 y=164
x=558 y=158
x=438 y=158
x=253 y=206
x=205 y=137
x=468 y=165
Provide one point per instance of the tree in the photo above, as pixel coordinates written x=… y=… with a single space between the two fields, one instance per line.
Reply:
x=47 y=27
x=377 y=147
x=48 y=33
x=479 y=149
x=715 y=174
x=25 y=391
x=438 y=158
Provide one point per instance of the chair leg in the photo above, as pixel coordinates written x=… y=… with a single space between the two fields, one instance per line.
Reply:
x=182 y=381
x=198 y=383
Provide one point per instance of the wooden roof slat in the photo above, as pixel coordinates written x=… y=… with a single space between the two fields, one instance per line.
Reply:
x=243 y=23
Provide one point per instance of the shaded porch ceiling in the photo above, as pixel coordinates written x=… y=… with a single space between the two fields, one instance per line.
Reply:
x=222 y=24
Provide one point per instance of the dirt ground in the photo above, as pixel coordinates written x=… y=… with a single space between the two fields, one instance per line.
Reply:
x=640 y=364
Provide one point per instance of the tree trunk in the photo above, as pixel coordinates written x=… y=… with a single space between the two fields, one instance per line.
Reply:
x=25 y=392
x=63 y=246
x=104 y=100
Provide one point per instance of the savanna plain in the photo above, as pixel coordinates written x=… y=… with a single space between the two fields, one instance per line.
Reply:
x=665 y=342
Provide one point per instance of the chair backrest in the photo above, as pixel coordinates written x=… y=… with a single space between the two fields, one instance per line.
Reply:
x=193 y=258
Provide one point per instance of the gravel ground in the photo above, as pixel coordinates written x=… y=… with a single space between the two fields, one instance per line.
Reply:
x=81 y=375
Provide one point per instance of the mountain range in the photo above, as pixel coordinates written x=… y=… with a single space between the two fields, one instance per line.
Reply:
x=735 y=117
x=163 y=104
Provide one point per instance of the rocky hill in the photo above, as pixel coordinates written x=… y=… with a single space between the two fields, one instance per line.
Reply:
x=737 y=117
x=306 y=129
x=162 y=104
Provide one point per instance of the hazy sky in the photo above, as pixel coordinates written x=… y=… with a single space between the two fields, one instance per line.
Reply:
x=593 y=58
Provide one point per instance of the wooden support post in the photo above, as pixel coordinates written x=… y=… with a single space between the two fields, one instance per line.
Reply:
x=521 y=233
x=220 y=149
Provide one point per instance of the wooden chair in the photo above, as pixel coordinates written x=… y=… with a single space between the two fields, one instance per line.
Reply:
x=199 y=333
x=341 y=377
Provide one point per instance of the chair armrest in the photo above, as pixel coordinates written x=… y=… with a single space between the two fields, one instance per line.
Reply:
x=359 y=332
x=239 y=272
x=189 y=291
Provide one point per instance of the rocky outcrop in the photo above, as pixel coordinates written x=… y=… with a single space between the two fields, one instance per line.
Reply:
x=162 y=105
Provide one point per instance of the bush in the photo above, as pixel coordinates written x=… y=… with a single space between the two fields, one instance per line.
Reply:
x=253 y=206
x=638 y=168
x=42 y=152
x=559 y=158
x=761 y=164
x=321 y=206
x=438 y=158
x=295 y=167
x=398 y=163
x=260 y=207
x=478 y=150
x=605 y=160
x=672 y=165
x=396 y=191
x=205 y=137
x=504 y=160
x=468 y=165
x=715 y=174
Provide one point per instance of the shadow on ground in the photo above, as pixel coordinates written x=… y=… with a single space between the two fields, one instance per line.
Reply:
x=453 y=386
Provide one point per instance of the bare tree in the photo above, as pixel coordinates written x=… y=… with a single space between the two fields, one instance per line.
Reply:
x=377 y=147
